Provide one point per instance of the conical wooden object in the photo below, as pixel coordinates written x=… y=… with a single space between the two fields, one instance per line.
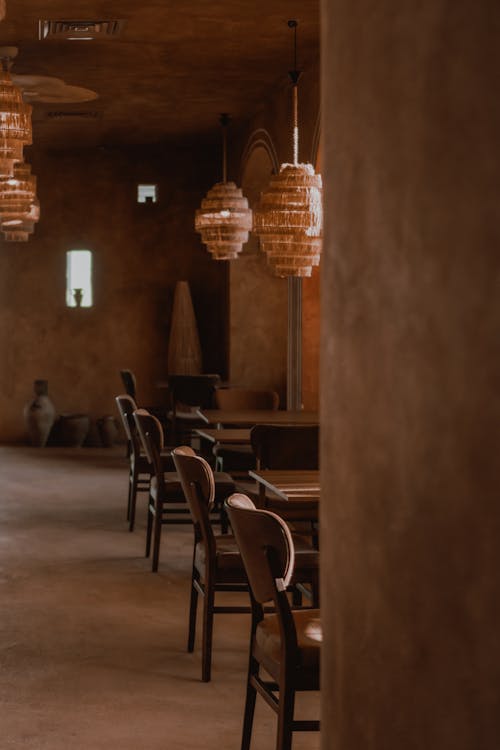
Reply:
x=184 y=350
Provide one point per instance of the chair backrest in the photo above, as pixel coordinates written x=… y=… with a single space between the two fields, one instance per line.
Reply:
x=193 y=390
x=198 y=485
x=129 y=382
x=239 y=399
x=286 y=446
x=151 y=435
x=126 y=407
x=265 y=545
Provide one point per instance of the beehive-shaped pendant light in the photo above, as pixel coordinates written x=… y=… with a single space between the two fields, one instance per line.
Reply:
x=224 y=219
x=19 y=228
x=15 y=117
x=19 y=207
x=289 y=217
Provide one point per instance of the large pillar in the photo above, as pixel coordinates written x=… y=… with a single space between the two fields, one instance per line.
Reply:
x=410 y=375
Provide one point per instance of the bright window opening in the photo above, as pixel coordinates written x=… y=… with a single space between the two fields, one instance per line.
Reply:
x=79 y=278
x=147 y=193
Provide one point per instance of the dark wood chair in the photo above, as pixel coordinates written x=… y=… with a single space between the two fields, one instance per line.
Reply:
x=187 y=393
x=287 y=447
x=167 y=502
x=240 y=458
x=161 y=412
x=284 y=645
x=139 y=465
x=217 y=564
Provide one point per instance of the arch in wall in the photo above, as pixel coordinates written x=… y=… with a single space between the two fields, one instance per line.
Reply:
x=259 y=139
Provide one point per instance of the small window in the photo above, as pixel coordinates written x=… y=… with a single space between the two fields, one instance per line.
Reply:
x=147 y=193
x=79 y=278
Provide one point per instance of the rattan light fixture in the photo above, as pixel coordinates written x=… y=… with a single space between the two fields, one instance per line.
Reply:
x=289 y=216
x=15 y=117
x=224 y=219
x=19 y=206
x=19 y=228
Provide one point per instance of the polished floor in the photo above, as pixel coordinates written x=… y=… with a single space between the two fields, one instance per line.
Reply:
x=92 y=644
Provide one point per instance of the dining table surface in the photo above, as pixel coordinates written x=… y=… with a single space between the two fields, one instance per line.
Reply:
x=258 y=416
x=235 y=436
x=288 y=484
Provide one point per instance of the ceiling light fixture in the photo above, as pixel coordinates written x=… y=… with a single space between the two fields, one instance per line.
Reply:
x=15 y=117
x=224 y=219
x=19 y=206
x=289 y=216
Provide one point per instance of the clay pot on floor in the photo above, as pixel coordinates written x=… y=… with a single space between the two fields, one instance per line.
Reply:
x=39 y=415
x=74 y=429
x=107 y=430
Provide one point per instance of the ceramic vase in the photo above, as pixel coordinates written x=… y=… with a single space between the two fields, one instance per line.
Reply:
x=39 y=415
x=74 y=429
x=107 y=430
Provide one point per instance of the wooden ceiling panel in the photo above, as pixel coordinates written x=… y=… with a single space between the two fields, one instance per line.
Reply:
x=174 y=67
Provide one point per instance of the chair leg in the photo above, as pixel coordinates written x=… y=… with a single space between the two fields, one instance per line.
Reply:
x=253 y=669
x=149 y=529
x=285 y=718
x=208 y=624
x=156 y=537
x=129 y=499
x=132 y=500
x=193 y=607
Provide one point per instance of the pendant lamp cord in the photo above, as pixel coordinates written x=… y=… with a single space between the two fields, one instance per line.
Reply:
x=294 y=77
x=224 y=121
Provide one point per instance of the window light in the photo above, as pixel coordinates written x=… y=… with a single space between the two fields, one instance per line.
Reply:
x=147 y=193
x=79 y=278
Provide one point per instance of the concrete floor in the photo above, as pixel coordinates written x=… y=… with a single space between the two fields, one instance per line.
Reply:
x=92 y=644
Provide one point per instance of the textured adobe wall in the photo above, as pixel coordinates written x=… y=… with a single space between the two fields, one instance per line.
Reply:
x=88 y=200
x=410 y=408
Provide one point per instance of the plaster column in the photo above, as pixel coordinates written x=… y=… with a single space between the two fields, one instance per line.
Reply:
x=409 y=375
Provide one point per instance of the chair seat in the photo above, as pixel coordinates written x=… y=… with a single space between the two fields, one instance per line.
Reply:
x=309 y=638
x=173 y=487
x=224 y=486
x=144 y=467
x=228 y=557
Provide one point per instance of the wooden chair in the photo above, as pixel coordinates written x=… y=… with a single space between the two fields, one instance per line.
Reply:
x=139 y=465
x=217 y=564
x=130 y=384
x=286 y=644
x=188 y=392
x=167 y=503
x=288 y=447
x=240 y=458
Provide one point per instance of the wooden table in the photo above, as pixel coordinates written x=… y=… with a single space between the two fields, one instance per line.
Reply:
x=222 y=436
x=293 y=485
x=258 y=416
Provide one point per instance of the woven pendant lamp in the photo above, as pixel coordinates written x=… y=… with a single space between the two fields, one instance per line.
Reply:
x=224 y=219
x=289 y=217
x=15 y=117
x=19 y=207
x=19 y=229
